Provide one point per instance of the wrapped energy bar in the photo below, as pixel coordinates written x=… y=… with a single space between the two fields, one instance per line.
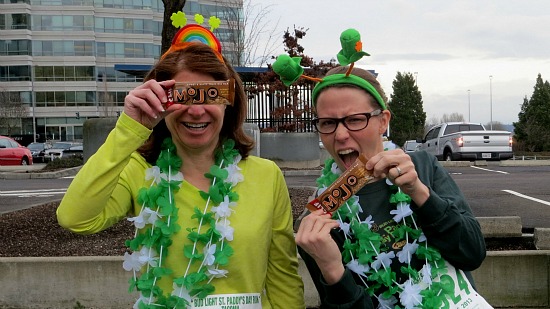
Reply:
x=207 y=92
x=353 y=179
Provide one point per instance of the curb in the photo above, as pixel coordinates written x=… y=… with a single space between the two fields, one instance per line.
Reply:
x=286 y=172
x=45 y=175
x=309 y=172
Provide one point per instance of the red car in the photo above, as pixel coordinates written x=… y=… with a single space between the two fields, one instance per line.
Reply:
x=12 y=153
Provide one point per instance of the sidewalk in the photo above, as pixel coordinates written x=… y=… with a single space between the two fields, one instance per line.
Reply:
x=34 y=172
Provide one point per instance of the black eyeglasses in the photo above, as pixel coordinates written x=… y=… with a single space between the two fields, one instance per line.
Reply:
x=355 y=122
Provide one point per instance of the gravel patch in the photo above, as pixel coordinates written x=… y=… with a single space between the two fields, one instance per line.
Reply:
x=34 y=232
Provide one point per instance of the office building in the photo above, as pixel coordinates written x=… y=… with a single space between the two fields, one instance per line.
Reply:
x=58 y=58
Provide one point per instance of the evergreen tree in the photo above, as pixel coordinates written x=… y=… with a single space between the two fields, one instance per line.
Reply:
x=520 y=134
x=533 y=126
x=408 y=116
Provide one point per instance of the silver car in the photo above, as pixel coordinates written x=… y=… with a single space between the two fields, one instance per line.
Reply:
x=59 y=148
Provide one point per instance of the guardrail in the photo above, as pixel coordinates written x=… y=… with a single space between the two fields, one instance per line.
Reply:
x=535 y=157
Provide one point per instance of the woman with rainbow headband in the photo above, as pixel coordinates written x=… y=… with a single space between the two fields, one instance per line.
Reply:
x=408 y=238
x=213 y=224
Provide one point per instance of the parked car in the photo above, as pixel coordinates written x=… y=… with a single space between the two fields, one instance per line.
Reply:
x=73 y=151
x=410 y=146
x=38 y=150
x=467 y=141
x=60 y=148
x=12 y=153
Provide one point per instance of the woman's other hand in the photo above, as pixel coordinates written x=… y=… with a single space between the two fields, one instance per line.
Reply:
x=144 y=103
x=314 y=237
x=399 y=168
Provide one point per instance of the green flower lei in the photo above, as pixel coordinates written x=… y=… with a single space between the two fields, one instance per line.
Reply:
x=365 y=254
x=157 y=223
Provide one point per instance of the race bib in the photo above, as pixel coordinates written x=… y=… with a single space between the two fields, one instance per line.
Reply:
x=229 y=301
x=464 y=296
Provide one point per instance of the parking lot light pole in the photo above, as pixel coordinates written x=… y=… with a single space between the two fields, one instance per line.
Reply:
x=469 y=117
x=491 y=98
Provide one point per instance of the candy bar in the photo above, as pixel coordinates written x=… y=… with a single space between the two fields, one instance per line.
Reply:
x=208 y=92
x=353 y=179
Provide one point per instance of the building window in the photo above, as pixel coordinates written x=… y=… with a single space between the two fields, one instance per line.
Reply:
x=15 y=73
x=63 y=73
x=63 y=48
x=14 y=21
x=65 y=98
x=111 y=98
x=127 y=50
x=63 y=23
x=14 y=47
x=14 y=1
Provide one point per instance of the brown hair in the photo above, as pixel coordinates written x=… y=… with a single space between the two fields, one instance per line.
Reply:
x=364 y=74
x=201 y=58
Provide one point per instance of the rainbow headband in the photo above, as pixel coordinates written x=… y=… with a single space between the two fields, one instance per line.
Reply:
x=194 y=34
x=289 y=69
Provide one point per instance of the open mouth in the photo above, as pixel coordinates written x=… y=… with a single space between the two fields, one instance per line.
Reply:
x=195 y=126
x=348 y=156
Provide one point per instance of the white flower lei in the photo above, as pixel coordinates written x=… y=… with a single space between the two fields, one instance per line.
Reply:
x=363 y=256
x=157 y=222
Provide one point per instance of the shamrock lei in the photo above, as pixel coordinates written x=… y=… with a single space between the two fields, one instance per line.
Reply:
x=365 y=255
x=157 y=223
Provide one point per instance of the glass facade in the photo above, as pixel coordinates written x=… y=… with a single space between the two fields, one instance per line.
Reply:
x=62 y=23
x=15 y=73
x=64 y=73
x=64 y=98
x=14 y=21
x=127 y=50
x=59 y=63
x=15 y=47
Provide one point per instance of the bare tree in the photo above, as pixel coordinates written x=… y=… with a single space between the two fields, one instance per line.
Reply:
x=12 y=110
x=106 y=100
x=433 y=121
x=168 y=31
x=454 y=117
x=497 y=125
x=252 y=38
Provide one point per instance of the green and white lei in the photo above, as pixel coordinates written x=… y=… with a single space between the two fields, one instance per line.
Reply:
x=365 y=255
x=157 y=223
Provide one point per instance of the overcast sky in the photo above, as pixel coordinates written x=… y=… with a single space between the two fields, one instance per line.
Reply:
x=454 y=46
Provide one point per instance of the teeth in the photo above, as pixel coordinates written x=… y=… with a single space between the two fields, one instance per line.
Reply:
x=344 y=152
x=195 y=125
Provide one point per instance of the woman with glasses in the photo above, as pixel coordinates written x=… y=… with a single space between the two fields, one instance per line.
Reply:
x=405 y=237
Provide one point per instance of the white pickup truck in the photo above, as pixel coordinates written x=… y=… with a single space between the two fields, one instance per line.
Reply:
x=466 y=141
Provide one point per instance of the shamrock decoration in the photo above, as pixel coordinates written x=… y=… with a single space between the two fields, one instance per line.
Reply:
x=199 y=19
x=288 y=68
x=214 y=22
x=178 y=19
x=352 y=47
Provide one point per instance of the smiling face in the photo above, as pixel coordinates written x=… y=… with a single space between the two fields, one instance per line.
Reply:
x=345 y=145
x=196 y=128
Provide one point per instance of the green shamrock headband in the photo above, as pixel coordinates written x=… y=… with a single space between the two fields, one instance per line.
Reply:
x=289 y=69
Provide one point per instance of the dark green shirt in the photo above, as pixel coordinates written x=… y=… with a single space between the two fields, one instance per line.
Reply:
x=446 y=220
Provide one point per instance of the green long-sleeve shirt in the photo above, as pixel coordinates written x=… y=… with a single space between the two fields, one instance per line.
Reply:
x=264 y=260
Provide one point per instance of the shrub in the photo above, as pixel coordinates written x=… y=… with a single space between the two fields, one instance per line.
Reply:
x=64 y=162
